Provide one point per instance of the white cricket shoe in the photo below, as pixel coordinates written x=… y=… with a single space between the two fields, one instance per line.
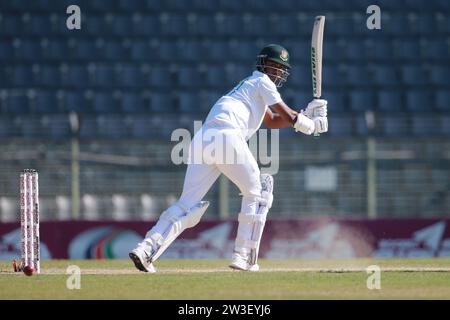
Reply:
x=141 y=259
x=240 y=262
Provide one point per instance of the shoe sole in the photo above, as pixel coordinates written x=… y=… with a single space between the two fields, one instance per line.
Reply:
x=137 y=262
x=236 y=267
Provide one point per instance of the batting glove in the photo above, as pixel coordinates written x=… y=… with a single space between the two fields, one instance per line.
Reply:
x=316 y=108
x=308 y=126
x=320 y=125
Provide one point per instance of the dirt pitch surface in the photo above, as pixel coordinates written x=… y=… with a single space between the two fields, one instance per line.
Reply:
x=212 y=279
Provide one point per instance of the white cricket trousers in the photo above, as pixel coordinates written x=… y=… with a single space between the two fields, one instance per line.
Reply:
x=226 y=153
x=207 y=162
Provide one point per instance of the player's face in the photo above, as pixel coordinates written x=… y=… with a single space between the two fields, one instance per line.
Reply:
x=276 y=68
x=276 y=72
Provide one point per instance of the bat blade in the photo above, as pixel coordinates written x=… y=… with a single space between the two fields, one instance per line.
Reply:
x=316 y=55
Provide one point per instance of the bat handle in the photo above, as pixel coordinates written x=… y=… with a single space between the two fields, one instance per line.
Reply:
x=316 y=135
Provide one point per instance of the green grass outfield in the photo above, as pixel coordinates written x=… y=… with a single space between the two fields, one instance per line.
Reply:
x=212 y=279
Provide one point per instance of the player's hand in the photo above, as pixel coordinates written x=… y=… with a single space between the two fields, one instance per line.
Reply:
x=316 y=108
x=304 y=124
x=320 y=125
x=307 y=126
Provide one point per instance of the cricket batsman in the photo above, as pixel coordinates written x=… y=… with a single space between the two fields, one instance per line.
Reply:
x=233 y=119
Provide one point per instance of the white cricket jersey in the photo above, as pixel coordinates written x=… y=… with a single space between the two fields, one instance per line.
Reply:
x=244 y=107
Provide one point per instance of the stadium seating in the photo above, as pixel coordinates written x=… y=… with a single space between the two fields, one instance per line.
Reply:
x=419 y=101
x=88 y=127
x=57 y=126
x=334 y=76
x=394 y=126
x=378 y=50
x=103 y=76
x=340 y=126
x=425 y=125
x=30 y=127
x=443 y=101
x=145 y=57
x=112 y=51
x=21 y=76
x=407 y=50
x=47 y=76
x=26 y=50
x=189 y=77
x=140 y=50
x=140 y=126
x=188 y=102
x=74 y=101
x=390 y=101
x=129 y=76
x=161 y=103
x=385 y=76
x=439 y=75
x=104 y=102
x=45 y=102
x=83 y=49
x=7 y=127
x=338 y=100
x=362 y=100
x=414 y=75
x=435 y=48
x=74 y=76
x=160 y=77
x=445 y=124
x=131 y=102
x=112 y=127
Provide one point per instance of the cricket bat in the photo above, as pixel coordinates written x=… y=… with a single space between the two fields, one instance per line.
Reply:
x=316 y=57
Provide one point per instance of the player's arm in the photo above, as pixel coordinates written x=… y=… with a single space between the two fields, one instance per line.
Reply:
x=284 y=116
x=312 y=120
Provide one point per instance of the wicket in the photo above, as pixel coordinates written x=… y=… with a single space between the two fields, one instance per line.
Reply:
x=29 y=219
